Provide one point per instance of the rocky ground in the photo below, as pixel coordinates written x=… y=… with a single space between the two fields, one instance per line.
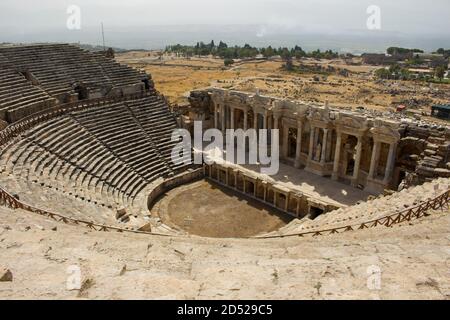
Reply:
x=39 y=258
x=175 y=77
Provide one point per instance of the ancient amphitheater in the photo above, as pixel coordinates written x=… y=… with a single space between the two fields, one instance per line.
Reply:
x=87 y=179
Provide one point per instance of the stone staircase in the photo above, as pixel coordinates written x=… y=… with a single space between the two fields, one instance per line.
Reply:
x=106 y=155
x=34 y=77
x=434 y=162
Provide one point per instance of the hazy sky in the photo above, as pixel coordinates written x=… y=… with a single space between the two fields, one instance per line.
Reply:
x=405 y=16
x=153 y=24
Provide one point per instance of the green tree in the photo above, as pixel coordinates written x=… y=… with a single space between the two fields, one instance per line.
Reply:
x=383 y=73
x=405 y=74
x=228 y=62
x=439 y=72
x=268 y=52
x=395 y=68
x=222 y=45
x=288 y=64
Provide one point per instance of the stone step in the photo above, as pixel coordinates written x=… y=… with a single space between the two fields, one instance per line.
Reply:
x=432 y=146
x=430 y=152
x=441 y=172
x=436 y=140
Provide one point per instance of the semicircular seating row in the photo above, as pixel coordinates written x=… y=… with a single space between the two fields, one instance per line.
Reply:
x=107 y=154
x=34 y=77
x=16 y=94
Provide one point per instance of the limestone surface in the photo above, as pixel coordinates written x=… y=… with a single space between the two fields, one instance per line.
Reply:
x=411 y=261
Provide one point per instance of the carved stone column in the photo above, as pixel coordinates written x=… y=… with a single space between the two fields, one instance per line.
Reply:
x=275 y=195
x=216 y=116
x=276 y=118
x=324 y=146
x=311 y=142
x=337 y=157
x=265 y=120
x=232 y=117
x=357 y=162
x=330 y=146
x=299 y=144
x=245 y=119
x=316 y=142
x=390 y=163
x=286 y=204
x=285 y=141
x=375 y=159
x=222 y=116
x=265 y=191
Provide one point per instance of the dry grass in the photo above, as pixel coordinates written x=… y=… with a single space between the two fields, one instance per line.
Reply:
x=175 y=77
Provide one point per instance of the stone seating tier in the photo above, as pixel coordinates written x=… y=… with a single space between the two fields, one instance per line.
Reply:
x=35 y=76
x=105 y=154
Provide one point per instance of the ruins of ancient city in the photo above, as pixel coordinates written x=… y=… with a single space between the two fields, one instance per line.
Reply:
x=93 y=205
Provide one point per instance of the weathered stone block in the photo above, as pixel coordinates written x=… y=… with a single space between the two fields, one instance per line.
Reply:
x=5 y=275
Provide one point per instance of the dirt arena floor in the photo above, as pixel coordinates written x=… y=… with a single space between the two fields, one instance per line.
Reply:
x=205 y=209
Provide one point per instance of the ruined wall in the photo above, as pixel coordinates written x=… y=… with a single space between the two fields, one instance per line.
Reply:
x=171 y=183
x=200 y=100
x=425 y=148
x=421 y=150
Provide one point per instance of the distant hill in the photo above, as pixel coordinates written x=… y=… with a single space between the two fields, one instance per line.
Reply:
x=96 y=48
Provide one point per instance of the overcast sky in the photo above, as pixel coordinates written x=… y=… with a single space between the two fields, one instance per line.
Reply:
x=405 y=16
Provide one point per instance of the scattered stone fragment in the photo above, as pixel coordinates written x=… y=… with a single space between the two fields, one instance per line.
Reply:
x=5 y=275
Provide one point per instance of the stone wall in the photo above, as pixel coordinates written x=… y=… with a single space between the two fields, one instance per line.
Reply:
x=279 y=196
x=38 y=77
x=189 y=176
x=366 y=150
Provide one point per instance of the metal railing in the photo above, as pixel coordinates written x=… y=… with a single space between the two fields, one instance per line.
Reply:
x=407 y=215
x=20 y=126
x=12 y=202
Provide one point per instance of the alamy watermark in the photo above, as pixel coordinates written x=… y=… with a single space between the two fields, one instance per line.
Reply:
x=374 y=19
x=241 y=147
x=73 y=281
x=374 y=278
x=74 y=19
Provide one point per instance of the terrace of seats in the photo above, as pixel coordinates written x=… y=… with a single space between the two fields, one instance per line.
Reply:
x=17 y=94
x=60 y=71
x=104 y=155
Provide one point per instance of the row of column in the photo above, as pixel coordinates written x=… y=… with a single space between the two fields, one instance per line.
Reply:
x=374 y=162
x=208 y=169
x=219 y=110
x=376 y=158
x=314 y=140
x=313 y=143
x=337 y=158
